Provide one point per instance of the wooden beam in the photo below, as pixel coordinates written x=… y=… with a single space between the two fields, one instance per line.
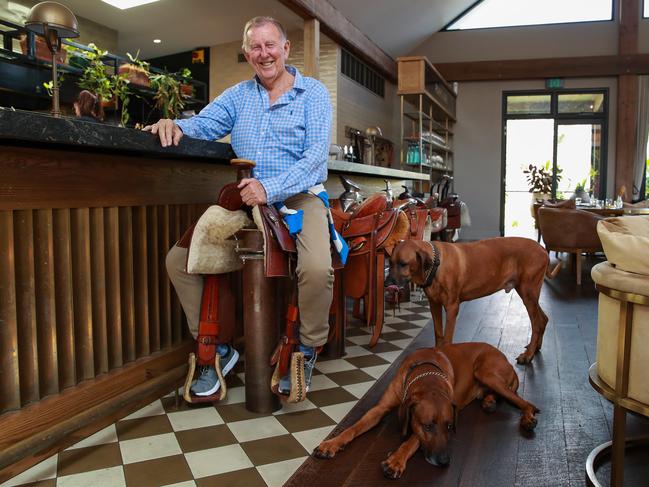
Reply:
x=626 y=140
x=568 y=67
x=336 y=26
x=627 y=101
x=312 y=48
x=629 y=12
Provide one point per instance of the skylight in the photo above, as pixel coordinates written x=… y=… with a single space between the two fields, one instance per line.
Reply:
x=124 y=4
x=509 y=13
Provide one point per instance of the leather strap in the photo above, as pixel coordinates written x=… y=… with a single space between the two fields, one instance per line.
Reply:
x=208 y=326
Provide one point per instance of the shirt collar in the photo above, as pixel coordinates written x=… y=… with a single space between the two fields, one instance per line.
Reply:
x=298 y=83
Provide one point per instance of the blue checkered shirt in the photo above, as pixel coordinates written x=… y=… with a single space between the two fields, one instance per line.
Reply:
x=289 y=141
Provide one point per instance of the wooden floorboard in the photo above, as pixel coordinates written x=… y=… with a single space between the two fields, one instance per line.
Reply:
x=488 y=449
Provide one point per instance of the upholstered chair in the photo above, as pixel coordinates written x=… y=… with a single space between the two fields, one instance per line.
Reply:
x=572 y=231
x=620 y=373
x=566 y=204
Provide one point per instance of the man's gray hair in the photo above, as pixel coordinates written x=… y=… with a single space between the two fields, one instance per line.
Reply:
x=258 y=22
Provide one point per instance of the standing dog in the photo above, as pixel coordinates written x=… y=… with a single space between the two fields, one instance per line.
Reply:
x=451 y=273
x=429 y=387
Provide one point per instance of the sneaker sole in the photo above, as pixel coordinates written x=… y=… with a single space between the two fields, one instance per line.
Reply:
x=228 y=367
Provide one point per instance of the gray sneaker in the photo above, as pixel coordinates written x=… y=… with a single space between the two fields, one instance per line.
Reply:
x=207 y=382
x=285 y=382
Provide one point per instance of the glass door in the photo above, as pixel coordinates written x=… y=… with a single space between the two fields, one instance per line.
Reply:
x=579 y=153
x=562 y=133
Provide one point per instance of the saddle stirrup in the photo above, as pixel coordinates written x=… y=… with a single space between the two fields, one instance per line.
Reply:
x=209 y=330
x=286 y=358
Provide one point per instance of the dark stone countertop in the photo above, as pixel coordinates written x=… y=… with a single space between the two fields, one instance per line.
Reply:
x=43 y=129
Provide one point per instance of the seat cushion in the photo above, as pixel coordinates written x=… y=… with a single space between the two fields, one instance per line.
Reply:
x=626 y=242
x=611 y=277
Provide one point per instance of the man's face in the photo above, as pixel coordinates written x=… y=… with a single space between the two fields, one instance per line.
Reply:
x=267 y=52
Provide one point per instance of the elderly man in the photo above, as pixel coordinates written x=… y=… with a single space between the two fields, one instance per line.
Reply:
x=282 y=121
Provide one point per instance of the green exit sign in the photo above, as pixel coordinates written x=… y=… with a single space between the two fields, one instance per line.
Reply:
x=554 y=83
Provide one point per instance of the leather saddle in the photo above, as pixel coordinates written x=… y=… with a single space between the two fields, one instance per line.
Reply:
x=371 y=230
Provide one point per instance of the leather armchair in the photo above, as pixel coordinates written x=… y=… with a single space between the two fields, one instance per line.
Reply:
x=572 y=231
x=565 y=204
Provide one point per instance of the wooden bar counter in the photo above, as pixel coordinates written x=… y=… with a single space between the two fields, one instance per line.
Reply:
x=90 y=328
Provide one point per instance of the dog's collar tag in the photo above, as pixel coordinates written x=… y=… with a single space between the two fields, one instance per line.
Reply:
x=430 y=273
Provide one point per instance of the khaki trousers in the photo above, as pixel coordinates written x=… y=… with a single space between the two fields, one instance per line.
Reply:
x=314 y=272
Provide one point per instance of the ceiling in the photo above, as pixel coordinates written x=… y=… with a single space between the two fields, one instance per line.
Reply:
x=395 y=26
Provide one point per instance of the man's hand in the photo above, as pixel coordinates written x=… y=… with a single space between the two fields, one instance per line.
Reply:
x=167 y=130
x=252 y=192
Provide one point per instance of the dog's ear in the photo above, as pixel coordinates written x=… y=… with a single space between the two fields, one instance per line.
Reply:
x=424 y=260
x=405 y=411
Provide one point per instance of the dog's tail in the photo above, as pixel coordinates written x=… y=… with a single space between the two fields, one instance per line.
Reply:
x=551 y=272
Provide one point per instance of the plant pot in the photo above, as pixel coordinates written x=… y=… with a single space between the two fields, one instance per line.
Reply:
x=42 y=51
x=135 y=74
x=186 y=89
x=537 y=198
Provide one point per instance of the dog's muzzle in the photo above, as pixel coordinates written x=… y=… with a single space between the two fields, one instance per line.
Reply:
x=438 y=459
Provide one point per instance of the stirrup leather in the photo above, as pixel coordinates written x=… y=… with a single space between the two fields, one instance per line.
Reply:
x=206 y=342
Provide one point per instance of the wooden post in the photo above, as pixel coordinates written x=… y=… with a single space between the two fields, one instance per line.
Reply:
x=627 y=100
x=312 y=48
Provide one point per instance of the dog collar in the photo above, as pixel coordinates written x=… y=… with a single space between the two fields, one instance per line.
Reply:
x=437 y=373
x=430 y=273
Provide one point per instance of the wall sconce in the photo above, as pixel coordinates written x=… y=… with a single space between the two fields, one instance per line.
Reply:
x=54 y=22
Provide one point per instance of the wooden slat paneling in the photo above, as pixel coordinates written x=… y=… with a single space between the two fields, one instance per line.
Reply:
x=127 y=296
x=26 y=306
x=154 y=256
x=176 y=311
x=165 y=243
x=10 y=383
x=113 y=288
x=98 y=289
x=48 y=366
x=140 y=284
x=64 y=303
x=81 y=293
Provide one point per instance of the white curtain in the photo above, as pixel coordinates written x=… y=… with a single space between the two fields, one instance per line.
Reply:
x=641 y=137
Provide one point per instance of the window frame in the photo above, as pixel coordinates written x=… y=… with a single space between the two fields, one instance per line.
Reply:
x=478 y=2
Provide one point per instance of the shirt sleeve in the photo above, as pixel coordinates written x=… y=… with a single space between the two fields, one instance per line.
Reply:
x=215 y=120
x=307 y=170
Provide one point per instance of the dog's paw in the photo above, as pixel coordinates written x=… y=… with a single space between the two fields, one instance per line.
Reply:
x=391 y=469
x=326 y=449
x=489 y=404
x=528 y=423
x=524 y=358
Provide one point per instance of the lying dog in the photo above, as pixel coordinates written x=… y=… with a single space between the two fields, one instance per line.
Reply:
x=451 y=273
x=429 y=387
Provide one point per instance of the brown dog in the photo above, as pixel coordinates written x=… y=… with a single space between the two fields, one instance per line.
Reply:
x=429 y=387
x=454 y=272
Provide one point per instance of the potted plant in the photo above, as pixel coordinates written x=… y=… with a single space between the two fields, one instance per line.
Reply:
x=539 y=179
x=168 y=98
x=186 y=87
x=136 y=71
x=111 y=89
x=95 y=79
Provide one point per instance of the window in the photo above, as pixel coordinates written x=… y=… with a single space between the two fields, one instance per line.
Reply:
x=645 y=9
x=357 y=70
x=508 y=13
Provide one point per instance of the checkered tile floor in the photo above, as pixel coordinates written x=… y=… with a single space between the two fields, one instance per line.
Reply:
x=225 y=444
